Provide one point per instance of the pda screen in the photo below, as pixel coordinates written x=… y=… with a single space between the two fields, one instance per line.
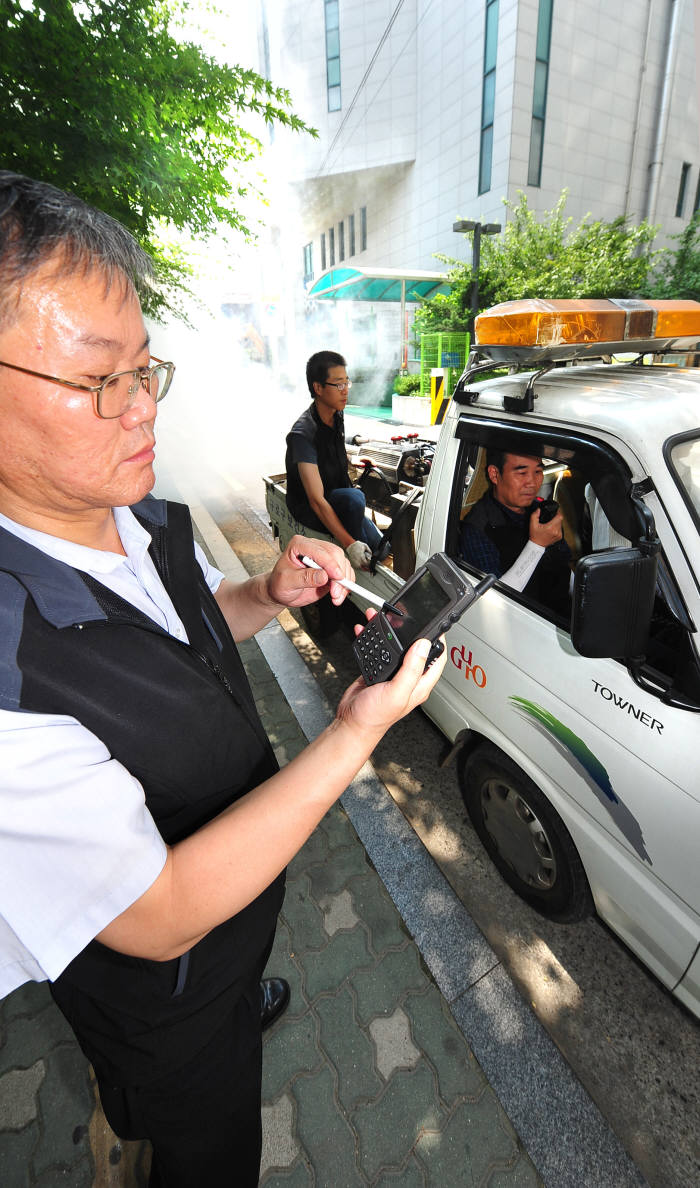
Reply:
x=421 y=603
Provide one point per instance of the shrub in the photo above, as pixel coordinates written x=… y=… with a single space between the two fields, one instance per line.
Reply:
x=407 y=385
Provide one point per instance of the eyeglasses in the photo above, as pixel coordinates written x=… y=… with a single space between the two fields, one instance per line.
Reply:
x=344 y=386
x=117 y=392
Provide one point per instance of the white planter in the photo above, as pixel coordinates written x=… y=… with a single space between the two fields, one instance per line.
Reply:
x=410 y=410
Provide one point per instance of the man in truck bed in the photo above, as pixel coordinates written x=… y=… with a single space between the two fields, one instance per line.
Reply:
x=319 y=492
x=502 y=534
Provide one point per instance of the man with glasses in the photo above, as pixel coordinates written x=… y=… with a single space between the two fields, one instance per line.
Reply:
x=144 y=824
x=319 y=492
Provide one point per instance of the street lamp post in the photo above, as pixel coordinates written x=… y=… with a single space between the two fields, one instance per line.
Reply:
x=479 y=229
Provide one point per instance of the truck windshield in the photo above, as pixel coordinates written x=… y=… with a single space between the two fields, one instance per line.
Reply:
x=685 y=460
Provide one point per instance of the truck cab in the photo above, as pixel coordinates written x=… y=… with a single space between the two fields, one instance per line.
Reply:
x=576 y=724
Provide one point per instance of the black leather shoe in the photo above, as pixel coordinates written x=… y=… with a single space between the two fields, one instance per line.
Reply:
x=274 y=997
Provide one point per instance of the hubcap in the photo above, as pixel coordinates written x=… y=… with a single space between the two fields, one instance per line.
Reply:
x=520 y=838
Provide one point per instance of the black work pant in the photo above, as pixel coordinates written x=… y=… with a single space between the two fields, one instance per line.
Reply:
x=204 y=1120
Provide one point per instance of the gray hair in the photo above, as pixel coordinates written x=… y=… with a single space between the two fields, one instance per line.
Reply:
x=39 y=222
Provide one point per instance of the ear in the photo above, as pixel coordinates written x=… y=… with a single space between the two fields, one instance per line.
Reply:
x=318 y=388
x=493 y=472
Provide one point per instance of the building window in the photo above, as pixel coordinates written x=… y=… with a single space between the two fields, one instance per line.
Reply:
x=696 y=204
x=341 y=241
x=682 y=187
x=323 y=252
x=351 y=235
x=331 y=246
x=488 y=95
x=308 y=262
x=539 y=95
x=333 y=54
x=363 y=228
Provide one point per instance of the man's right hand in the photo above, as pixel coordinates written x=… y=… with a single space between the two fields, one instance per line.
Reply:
x=546 y=534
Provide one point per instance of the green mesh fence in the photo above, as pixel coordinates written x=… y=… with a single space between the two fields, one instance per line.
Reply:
x=442 y=350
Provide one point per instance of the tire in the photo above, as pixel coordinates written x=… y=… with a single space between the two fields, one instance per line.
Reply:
x=524 y=836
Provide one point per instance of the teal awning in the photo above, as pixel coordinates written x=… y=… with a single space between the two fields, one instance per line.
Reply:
x=377 y=284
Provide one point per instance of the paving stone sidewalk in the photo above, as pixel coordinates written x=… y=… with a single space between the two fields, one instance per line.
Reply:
x=367 y=1078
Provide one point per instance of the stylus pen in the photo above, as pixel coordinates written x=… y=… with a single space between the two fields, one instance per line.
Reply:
x=353 y=586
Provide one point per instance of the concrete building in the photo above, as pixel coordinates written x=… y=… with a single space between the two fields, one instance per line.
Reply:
x=429 y=111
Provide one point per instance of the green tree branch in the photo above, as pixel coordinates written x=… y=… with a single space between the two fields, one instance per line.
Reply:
x=544 y=256
x=100 y=98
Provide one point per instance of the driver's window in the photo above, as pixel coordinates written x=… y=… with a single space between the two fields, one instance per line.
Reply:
x=491 y=536
x=493 y=501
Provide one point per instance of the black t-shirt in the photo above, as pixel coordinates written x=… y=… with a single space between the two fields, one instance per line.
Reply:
x=310 y=440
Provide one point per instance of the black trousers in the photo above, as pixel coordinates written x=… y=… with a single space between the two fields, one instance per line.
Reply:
x=204 y=1120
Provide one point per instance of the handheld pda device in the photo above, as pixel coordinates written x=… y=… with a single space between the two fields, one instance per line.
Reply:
x=434 y=598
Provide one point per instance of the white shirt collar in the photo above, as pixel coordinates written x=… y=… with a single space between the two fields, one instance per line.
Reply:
x=135 y=539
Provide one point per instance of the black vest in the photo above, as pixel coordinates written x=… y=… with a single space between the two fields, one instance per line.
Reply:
x=182 y=720
x=549 y=584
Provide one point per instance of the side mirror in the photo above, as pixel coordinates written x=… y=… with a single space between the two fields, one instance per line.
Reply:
x=613 y=602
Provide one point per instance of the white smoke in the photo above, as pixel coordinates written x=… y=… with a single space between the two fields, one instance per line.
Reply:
x=240 y=381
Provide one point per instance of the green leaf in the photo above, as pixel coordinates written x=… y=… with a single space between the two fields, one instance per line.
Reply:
x=545 y=256
x=99 y=97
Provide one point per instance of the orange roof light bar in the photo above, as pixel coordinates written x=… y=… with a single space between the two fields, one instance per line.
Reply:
x=533 y=323
x=676 y=318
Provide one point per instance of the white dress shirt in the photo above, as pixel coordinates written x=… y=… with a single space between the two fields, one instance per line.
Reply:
x=77 y=843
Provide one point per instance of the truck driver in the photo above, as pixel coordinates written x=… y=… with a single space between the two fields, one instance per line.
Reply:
x=502 y=534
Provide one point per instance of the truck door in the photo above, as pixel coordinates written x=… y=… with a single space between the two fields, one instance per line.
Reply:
x=615 y=763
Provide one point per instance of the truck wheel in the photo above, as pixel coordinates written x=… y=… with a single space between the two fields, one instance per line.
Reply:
x=524 y=836
x=322 y=618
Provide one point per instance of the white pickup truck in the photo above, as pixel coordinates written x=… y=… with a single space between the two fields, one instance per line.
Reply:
x=578 y=738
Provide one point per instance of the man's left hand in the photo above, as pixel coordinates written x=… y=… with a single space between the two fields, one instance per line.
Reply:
x=291 y=583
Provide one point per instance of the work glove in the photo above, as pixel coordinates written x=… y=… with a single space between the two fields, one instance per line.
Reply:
x=359 y=554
